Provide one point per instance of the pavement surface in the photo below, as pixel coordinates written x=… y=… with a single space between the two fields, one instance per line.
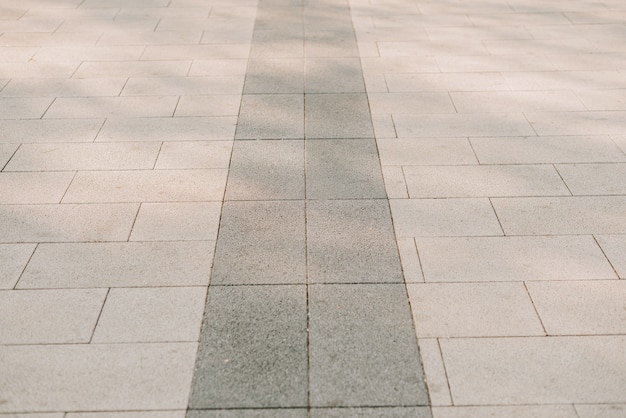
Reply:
x=293 y=209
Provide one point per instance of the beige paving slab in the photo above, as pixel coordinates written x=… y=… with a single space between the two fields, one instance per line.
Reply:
x=418 y=20
x=614 y=247
x=195 y=221
x=490 y=63
x=580 y=62
x=168 y=129
x=396 y=103
x=545 y=17
x=179 y=37
x=483 y=181
x=472 y=102
x=209 y=105
x=431 y=48
x=386 y=65
x=107 y=25
x=565 y=80
x=88 y=53
x=456 y=125
x=84 y=156
x=13 y=259
x=45 y=131
x=445 y=82
x=445 y=310
x=536 y=411
x=599 y=16
x=146 y=9
x=537 y=46
x=601 y=411
x=476 y=259
x=594 y=179
x=34 y=69
x=184 y=86
x=23 y=108
x=620 y=140
x=581 y=307
x=383 y=126
x=99 y=69
x=411 y=267
x=62 y=87
x=31 y=188
x=63 y=223
x=434 y=372
x=196 y=154
x=604 y=99
x=443 y=217
x=96 y=377
x=539 y=370
x=547 y=149
x=478 y=33
x=112 y=107
x=49 y=316
x=134 y=264
x=562 y=215
x=16 y=53
x=42 y=415
x=151 y=315
x=192 y=52
x=147 y=186
x=6 y=152
x=395 y=185
x=126 y=414
x=218 y=67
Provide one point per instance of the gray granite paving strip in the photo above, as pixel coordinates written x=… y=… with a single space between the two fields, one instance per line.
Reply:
x=253 y=348
x=393 y=412
x=250 y=413
x=338 y=116
x=271 y=116
x=363 y=350
x=261 y=243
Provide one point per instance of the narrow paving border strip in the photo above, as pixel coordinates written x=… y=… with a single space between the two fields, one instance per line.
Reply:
x=307 y=313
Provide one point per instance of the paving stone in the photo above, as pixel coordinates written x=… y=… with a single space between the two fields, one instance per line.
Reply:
x=411 y=267
x=183 y=86
x=475 y=259
x=266 y=170
x=580 y=307
x=395 y=185
x=620 y=140
x=253 y=349
x=60 y=87
x=278 y=75
x=338 y=116
x=275 y=116
x=330 y=43
x=483 y=181
x=594 y=179
x=84 y=156
x=191 y=52
x=249 y=413
x=193 y=221
x=515 y=411
x=13 y=259
x=425 y=151
x=386 y=65
x=40 y=131
x=362 y=348
x=534 y=46
x=23 y=108
x=112 y=107
x=445 y=82
x=151 y=315
x=336 y=75
x=261 y=243
x=63 y=223
x=125 y=414
x=342 y=250
x=434 y=372
x=600 y=411
x=31 y=188
x=429 y=48
x=219 y=67
x=343 y=169
x=614 y=247
x=179 y=37
x=580 y=62
x=443 y=217
x=49 y=316
x=487 y=63
x=391 y=412
x=147 y=186
x=603 y=99
x=456 y=125
x=578 y=123
x=545 y=17
x=168 y=129
x=477 y=33
x=546 y=149
x=134 y=264
x=411 y=103
x=210 y=105
x=99 y=69
x=450 y=310
x=88 y=53
x=100 y=377
x=575 y=80
x=383 y=126
x=561 y=215
x=33 y=69
x=197 y=154
x=539 y=370
x=518 y=101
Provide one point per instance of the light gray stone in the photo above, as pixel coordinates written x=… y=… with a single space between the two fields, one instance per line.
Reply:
x=425 y=151
x=506 y=411
x=277 y=75
x=363 y=350
x=338 y=116
x=336 y=75
x=112 y=107
x=93 y=265
x=196 y=154
x=391 y=412
x=614 y=247
x=351 y=241
x=48 y=130
x=594 y=179
x=275 y=116
x=184 y=86
x=33 y=187
x=13 y=259
x=343 y=169
x=249 y=413
x=168 y=129
x=459 y=125
x=253 y=351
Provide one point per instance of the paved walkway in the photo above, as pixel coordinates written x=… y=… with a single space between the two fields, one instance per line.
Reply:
x=333 y=208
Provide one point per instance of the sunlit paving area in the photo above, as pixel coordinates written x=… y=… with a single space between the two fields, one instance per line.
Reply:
x=312 y=208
